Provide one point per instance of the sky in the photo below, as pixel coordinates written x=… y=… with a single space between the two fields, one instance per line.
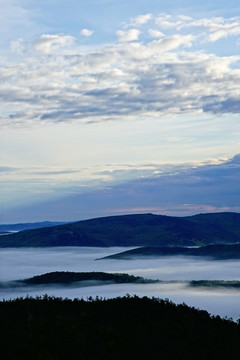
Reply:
x=111 y=107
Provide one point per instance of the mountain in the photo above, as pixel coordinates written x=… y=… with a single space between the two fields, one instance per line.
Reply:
x=134 y=230
x=217 y=252
x=26 y=226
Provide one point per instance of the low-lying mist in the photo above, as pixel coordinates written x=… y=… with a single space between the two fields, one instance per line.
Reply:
x=17 y=264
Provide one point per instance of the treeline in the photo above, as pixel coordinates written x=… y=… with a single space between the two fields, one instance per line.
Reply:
x=216 y=283
x=49 y=328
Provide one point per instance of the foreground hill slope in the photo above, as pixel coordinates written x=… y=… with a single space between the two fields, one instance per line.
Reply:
x=134 y=230
x=121 y=328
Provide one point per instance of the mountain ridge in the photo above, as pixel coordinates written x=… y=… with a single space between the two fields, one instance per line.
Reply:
x=29 y=226
x=216 y=252
x=134 y=230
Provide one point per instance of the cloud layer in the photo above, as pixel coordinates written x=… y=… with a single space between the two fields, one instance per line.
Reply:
x=172 y=190
x=158 y=66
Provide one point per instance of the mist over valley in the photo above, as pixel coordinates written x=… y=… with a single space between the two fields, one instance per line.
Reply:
x=191 y=258
x=175 y=272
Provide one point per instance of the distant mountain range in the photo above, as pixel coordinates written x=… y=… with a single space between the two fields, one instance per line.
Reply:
x=134 y=230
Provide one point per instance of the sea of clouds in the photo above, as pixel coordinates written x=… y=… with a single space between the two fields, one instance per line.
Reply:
x=18 y=264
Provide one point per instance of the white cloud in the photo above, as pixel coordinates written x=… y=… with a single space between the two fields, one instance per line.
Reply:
x=128 y=79
x=165 y=21
x=141 y=20
x=48 y=43
x=86 y=32
x=217 y=28
x=223 y=33
x=126 y=36
x=155 y=33
x=173 y=42
x=213 y=29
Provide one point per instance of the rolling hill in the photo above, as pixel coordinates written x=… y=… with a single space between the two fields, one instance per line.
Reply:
x=67 y=277
x=134 y=230
x=217 y=252
x=28 y=226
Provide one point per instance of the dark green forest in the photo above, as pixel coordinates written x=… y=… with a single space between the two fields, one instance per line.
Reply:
x=48 y=328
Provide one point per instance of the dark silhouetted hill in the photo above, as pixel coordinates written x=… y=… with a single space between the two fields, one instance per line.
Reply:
x=227 y=284
x=68 y=277
x=122 y=328
x=217 y=252
x=28 y=226
x=134 y=230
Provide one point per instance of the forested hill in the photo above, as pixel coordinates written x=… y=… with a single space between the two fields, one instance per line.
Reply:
x=121 y=328
x=217 y=252
x=134 y=230
x=68 y=277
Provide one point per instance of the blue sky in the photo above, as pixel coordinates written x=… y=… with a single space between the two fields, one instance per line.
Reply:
x=118 y=97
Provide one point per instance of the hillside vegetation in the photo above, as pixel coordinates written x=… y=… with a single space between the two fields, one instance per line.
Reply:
x=122 y=328
x=68 y=277
x=134 y=230
x=218 y=252
x=226 y=284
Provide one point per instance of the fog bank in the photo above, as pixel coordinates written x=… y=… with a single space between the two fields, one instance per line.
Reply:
x=18 y=264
